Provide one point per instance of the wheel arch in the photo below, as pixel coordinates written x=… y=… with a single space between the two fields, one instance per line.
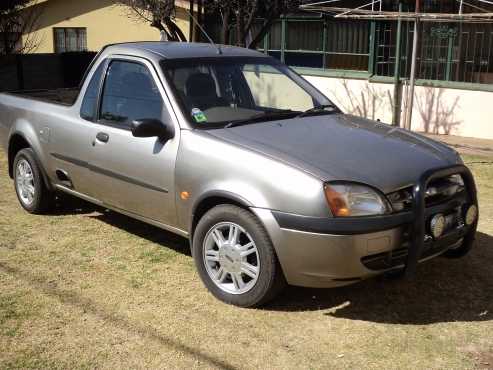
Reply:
x=212 y=199
x=18 y=142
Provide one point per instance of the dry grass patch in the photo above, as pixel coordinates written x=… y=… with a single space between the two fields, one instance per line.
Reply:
x=87 y=288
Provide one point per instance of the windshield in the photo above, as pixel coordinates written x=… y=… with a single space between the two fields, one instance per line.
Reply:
x=218 y=92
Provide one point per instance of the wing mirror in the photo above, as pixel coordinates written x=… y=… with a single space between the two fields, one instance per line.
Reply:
x=150 y=127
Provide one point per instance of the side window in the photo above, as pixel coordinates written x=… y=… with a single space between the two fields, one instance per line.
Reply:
x=88 y=108
x=129 y=93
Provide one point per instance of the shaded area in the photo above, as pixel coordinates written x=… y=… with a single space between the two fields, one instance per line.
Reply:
x=154 y=234
x=76 y=8
x=68 y=205
x=444 y=290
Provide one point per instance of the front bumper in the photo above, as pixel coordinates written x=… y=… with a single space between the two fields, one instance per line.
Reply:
x=323 y=252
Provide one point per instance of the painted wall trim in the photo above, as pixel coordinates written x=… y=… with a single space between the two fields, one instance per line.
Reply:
x=363 y=75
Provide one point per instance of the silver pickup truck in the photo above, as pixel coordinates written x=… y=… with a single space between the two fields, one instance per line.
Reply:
x=269 y=180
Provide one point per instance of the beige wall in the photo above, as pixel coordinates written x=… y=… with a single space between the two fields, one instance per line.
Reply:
x=288 y=94
x=106 y=23
x=436 y=110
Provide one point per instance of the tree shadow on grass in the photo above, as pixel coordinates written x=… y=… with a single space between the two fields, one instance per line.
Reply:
x=444 y=290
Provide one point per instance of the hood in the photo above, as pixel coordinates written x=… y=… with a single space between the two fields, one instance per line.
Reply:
x=344 y=147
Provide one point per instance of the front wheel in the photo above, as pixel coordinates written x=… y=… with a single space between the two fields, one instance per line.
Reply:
x=235 y=257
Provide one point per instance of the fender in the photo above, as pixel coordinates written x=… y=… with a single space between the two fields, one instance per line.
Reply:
x=36 y=150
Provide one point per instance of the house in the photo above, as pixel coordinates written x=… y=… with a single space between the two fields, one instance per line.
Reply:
x=80 y=25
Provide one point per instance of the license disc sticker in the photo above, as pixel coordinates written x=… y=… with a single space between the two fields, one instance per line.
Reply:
x=198 y=115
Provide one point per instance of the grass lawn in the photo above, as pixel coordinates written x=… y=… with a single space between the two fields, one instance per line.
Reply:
x=85 y=288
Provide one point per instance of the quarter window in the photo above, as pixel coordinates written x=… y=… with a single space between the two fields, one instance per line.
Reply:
x=88 y=108
x=129 y=93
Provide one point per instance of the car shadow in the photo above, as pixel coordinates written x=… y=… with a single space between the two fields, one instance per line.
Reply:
x=69 y=205
x=65 y=204
x=444 y=290
x=143 y=230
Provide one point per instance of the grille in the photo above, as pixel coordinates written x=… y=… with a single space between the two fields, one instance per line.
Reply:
x=438 y=191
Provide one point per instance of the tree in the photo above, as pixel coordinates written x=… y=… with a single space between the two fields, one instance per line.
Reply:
x=242 y=16
x=159 y=14
x=18 y=18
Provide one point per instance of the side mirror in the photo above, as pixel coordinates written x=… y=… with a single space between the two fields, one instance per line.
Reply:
x=150 y=127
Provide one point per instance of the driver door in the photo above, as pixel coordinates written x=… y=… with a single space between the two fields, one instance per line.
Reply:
x=133 y=174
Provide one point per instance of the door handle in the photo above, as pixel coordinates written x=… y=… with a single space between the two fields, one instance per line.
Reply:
x=103 y=137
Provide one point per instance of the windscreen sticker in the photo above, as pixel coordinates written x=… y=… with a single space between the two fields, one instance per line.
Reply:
x=198 y=115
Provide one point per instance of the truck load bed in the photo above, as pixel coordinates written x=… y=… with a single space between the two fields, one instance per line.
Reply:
x=58 y=96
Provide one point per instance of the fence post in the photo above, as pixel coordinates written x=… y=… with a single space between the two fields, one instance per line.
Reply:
x=283 y=38
x=371 y=52
x=396 y=116
x=20 y=71
x=324 y=46
x=450 y=51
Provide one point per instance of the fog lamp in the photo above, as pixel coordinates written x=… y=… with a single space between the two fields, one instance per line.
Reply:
x=471 y=215
x=437 y=225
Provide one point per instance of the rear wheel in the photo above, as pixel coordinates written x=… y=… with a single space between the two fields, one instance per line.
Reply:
x=31 y=191
x=235 y=257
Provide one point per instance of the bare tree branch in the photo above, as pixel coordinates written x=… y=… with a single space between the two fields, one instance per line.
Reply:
x=242 y=15
x=18 y=19
x=160 y=14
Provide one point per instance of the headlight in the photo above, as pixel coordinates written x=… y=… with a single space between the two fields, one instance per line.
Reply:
x=351 y=200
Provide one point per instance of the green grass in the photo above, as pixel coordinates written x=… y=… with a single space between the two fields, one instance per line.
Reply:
x=84 y=288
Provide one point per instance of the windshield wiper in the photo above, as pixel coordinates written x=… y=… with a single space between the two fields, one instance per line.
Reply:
x=264 y=116
x=319 y=109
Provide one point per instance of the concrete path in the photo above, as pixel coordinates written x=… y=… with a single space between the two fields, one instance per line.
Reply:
x=467 y=145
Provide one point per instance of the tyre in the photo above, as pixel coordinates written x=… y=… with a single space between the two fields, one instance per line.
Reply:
x=31 y=190
x=465 y=247
x=235 y=257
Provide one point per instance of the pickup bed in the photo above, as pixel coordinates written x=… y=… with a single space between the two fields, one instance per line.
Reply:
x=268 y=179
x=58 y=96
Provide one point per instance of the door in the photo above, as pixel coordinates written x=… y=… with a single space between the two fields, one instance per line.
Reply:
x=70 y=137
x=129 y=173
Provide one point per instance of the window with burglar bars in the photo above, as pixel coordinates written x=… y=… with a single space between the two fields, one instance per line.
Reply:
x=320 y=43
x=458 y=52
x=317 y=42
x=70 y=39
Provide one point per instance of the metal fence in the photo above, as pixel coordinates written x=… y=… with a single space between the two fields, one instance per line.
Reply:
x=42 y=71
